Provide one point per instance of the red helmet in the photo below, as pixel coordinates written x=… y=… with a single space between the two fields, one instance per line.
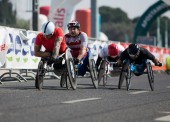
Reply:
x=113 y=50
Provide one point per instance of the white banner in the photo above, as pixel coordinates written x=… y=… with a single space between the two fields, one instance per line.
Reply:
x=20 y=53
x=4 y=39
x=61 y=12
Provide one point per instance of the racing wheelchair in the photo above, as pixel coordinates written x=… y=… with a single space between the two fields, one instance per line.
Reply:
x=106 y=69
x=67 y=66
x=129 y=68
x=89 y=66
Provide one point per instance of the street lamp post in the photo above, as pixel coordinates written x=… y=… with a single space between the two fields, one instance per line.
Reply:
x=35 y=15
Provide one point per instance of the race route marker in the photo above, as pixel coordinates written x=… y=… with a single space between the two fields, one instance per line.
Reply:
x=81 y=100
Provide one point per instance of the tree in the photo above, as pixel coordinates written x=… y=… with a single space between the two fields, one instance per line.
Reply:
x=113 y=15
x=115 y=23
x=7 y=15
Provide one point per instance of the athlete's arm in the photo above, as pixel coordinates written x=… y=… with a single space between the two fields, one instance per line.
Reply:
x=151 y=57
x=57 y=44
x=83 y=48
x=39 y=53
x=81 y=53
x=123 y=56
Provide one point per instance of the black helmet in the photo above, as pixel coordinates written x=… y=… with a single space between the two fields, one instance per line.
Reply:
x=133 y=50
x=73 y=24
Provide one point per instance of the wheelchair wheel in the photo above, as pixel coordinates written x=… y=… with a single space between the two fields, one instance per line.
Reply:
x=101 y=72
x=105 y=76
x=63 y=80
x=68 y=85
x=128 y=78
x=71 y=70
x=40 y=75
x=93 y=72
x=122 y=74
x=150 y=75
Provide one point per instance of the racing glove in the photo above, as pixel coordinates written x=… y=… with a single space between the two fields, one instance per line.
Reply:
x=76 y=61
x=158 y=64
x=115 y=64
x=58 y=60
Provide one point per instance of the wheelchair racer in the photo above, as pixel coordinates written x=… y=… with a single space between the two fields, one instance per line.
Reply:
x=138 y=56
x=110 y=52
x=77 y=41
x=51 y=38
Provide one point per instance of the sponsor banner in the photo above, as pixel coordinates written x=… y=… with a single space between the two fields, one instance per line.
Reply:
x=4 y=39
x=20 y=54
x=61 y=12
x=94 y=48
x=148 y=17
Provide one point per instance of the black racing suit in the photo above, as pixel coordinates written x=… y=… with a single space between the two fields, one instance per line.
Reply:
x=140 y=60
x=143 y=55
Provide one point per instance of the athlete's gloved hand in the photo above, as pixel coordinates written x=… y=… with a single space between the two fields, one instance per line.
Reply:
x=50 y=60
x=115 y=64
x=158 y=64
x=76 y=61
x=58 y=60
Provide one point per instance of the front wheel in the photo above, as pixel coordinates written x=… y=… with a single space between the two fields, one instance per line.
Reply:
x=40 y=75
x=101 y=72
x=150 y=75
x=93 y=73
x=128 y=78
x=71 y=73
x=123 y=73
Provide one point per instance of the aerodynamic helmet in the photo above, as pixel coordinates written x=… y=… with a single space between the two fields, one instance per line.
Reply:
x=113 y=50
x=48 y=28
x=133 y=50
x=73 y=24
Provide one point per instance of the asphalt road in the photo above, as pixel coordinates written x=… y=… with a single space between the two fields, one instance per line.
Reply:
x=21 y=102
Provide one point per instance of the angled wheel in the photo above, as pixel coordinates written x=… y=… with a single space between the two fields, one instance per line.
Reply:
x=40 y=75
x=71 y=70
x=123 y=73
x=101 y=72
x=121 y=78
x=93 y=72
x=105 y=76
x=128 y=78
x=63 y=80
x=68 y=85
x=150 y=75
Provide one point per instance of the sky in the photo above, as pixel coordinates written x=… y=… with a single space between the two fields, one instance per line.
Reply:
x=133 y=8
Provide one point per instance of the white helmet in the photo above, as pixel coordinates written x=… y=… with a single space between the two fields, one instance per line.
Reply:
x=48 y=28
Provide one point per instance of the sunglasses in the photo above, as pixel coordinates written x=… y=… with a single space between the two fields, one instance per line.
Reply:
x=134 y=56
x=48 y=36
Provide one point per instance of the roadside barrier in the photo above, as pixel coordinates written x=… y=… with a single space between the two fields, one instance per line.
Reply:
x=17 y=53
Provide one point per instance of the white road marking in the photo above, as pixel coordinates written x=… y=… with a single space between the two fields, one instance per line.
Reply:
x=138 y=92
x=165 y=112
x=81 y=100
x=164 y=118
x=11 y=82
x=168 y=86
